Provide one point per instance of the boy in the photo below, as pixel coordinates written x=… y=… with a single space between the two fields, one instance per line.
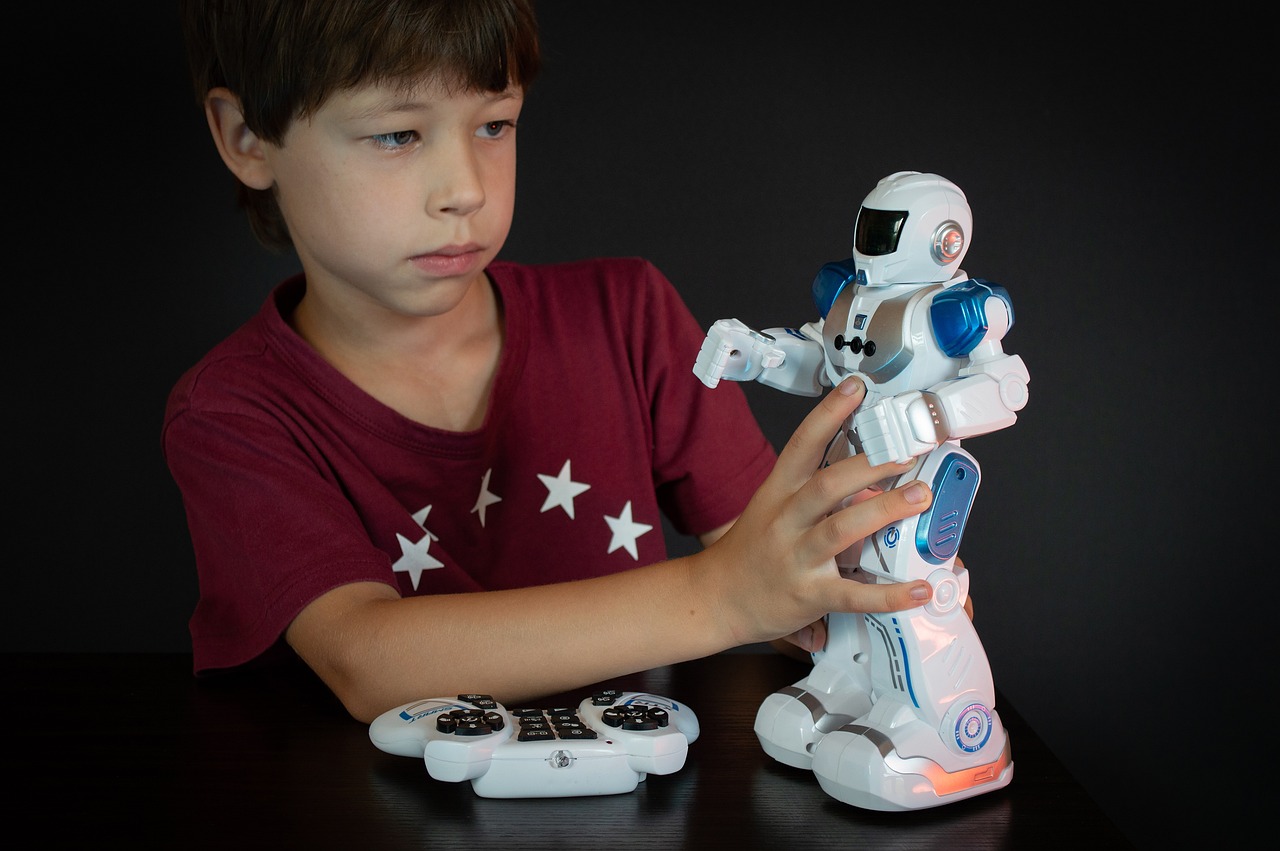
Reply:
x=425 y=471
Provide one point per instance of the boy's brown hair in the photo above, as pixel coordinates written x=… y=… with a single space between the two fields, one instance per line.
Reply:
x=285 y=58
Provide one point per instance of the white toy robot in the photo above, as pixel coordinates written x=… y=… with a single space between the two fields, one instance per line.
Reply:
x=898 y=712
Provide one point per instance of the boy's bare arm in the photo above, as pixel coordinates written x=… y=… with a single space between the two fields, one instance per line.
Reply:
x=769 y=575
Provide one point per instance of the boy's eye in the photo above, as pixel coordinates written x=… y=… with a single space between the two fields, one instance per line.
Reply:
x=394 y=140
x=494 y=129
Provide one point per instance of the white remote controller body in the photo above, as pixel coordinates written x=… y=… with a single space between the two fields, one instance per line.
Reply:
x=606 y=745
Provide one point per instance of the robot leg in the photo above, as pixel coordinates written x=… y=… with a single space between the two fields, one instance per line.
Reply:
x=932 y=735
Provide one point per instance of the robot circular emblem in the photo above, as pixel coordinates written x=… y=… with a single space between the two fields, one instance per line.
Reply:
x=891 y=536
x=973 y=727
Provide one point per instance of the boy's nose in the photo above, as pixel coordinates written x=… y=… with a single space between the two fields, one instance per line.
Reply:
x=458 y=187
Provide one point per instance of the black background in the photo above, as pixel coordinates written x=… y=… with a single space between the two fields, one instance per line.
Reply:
x=1122 y=187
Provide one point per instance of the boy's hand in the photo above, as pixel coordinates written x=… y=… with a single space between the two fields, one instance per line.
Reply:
x=813 y=637
x=774 y=571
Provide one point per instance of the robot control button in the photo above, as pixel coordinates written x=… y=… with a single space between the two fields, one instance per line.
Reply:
x=946 y=592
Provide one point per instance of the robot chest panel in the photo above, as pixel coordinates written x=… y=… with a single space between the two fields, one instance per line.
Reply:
x=885 y=335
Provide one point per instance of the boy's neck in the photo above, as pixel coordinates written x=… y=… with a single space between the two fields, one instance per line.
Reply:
x=437 y=370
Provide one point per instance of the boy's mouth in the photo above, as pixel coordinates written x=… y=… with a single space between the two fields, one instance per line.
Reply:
x=449 y=260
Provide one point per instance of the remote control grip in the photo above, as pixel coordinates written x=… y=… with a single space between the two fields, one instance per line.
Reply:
x=405 y=730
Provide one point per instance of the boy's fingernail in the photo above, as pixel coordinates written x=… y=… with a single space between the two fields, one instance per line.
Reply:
x=915 y=493
x=920 y=592
x=805 y=637
x=850 y=386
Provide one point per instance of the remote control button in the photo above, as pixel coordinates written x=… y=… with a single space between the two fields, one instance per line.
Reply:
x=484 y=701
x=605 y=697
x=469 y=722
x=540 y=734
x=526 y=713
x=637 y=718
x=578 y=733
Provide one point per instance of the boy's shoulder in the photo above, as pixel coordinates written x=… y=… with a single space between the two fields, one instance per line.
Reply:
x=246 y=358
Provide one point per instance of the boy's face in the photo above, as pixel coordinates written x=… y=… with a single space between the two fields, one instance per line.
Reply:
x=398 y=199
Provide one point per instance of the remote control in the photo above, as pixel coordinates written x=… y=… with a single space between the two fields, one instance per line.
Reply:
x=607 y=745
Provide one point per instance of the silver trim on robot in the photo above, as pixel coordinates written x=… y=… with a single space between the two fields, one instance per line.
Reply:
x=823 y=721
x=944 y=782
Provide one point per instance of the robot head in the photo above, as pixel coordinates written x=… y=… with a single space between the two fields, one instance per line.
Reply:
x=912 y=228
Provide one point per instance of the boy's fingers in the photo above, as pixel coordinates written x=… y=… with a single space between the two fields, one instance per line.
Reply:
x=889 y=597
x=808 y=442
x=831 y=487
x=848 y=526
x=811 y=638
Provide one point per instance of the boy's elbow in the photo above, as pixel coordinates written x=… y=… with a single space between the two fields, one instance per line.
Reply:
x=357 y=688
x=361 y=710
x=340 y=636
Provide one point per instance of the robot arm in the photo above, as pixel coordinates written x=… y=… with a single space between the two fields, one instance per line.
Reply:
x=782 y=358
x=986 y=397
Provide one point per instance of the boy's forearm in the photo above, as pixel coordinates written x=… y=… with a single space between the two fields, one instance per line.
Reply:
x=377 y=651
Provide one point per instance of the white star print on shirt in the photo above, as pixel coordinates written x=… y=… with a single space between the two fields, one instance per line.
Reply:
x=486 y=497
x=626 y=531
x=561 y=490
x=420 y=518
x=414 y=558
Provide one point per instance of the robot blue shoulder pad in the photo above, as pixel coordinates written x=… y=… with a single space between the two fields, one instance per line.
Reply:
x=960 y=317
x=830 y=280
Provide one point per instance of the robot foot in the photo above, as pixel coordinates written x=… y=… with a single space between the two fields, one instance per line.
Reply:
x=866 y=767
x=790 y=722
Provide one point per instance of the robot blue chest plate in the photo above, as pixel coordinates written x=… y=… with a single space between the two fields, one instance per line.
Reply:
x=884 y=333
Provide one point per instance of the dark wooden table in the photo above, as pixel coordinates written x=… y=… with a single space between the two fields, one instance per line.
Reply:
x=132 y=751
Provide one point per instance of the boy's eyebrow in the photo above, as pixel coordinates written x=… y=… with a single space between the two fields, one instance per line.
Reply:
x=413 y=103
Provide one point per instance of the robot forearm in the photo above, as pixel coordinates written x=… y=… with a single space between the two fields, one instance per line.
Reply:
x=778 y=357
x=909 y=424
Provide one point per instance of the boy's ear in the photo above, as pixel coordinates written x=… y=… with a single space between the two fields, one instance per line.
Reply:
x=240 y=147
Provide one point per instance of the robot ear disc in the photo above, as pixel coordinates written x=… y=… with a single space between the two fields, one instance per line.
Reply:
x=948 y=242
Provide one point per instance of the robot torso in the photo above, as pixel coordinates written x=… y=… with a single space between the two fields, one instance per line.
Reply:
x=885 y=335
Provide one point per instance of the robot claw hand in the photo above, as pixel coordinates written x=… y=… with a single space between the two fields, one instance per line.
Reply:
x=735 y=352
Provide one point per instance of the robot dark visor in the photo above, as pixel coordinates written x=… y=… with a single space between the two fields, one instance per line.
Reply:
x=877 y=231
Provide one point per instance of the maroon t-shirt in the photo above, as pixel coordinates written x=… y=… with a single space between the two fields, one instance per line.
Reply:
x=295 y=481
